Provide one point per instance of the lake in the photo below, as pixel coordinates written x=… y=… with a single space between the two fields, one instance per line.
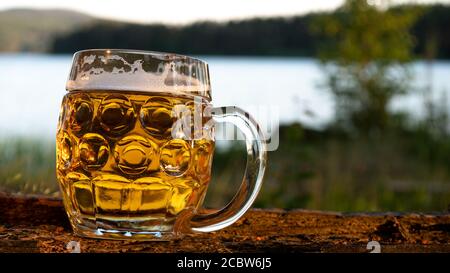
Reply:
x=32 y=86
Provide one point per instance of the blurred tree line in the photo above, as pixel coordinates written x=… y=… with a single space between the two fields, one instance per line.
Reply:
x=370 y=157
x=272 y=36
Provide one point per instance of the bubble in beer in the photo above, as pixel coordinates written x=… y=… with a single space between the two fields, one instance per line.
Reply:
x=116 y=114
x=175 y=157
x=134 y=153
x=156 y=117
x=94 y=151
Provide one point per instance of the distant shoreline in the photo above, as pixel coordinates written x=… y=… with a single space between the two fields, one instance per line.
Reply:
x=276 y=57
x=56 y=31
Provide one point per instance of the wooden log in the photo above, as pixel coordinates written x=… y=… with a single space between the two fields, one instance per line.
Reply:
x=39 y=224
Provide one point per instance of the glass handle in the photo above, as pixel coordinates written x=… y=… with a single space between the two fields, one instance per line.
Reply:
x=254 y=172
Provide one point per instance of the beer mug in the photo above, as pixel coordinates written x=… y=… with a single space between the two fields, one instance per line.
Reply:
x=135 y=144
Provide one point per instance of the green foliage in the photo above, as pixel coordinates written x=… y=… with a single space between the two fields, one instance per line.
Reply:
x=405 y=170
x=360 y=33
x=364 y=54
x=28 y=166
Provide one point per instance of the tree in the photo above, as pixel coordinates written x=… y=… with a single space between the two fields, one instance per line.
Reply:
x=364 y=53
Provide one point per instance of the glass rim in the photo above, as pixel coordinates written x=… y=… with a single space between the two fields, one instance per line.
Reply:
x=161 y=54
x=109 y=69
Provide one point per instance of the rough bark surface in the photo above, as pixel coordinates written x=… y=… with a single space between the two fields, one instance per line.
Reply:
x=39 y=224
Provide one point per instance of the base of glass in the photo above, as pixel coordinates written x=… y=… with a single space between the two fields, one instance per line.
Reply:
x=142 y=229
x=123 y=234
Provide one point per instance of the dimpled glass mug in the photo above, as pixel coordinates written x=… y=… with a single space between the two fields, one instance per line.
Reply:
x=135 y=142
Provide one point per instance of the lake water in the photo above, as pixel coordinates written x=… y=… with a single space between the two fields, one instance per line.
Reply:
x=32 y=86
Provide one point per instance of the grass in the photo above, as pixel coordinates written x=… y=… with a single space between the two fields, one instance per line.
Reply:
x=27 y=165
x=402 y=171
x=399 y=171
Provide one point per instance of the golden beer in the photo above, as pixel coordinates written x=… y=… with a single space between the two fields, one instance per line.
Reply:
x=117 y=159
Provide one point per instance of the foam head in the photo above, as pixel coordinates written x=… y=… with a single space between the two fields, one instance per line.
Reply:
x=134 y=70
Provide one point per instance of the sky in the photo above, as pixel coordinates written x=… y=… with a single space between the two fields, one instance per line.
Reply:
x=186 y=11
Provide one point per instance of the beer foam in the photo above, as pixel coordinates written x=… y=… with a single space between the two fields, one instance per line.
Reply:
x=138 y=71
